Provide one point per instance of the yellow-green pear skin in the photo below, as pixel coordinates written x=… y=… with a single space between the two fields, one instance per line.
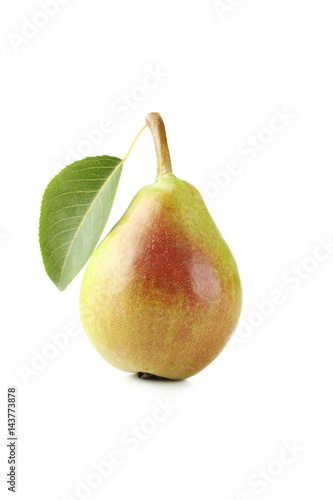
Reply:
x=161 y=295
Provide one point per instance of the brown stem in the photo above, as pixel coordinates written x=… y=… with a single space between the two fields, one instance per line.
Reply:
x=156 y=125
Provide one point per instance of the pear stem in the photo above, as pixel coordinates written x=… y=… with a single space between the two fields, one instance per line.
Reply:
x=156 y=125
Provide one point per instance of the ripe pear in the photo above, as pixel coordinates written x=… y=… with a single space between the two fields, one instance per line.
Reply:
x=161 y=295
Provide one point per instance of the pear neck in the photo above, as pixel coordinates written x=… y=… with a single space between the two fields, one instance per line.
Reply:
x=157 y=128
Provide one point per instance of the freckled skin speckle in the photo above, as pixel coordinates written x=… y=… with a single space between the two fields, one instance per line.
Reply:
x=162 y=294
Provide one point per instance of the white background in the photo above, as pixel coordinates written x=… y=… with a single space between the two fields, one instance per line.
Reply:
x=224 y=75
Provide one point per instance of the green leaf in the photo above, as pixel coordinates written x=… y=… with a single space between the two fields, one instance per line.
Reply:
x=75 y=208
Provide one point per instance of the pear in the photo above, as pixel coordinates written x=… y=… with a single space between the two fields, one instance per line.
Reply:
x=161 y=294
